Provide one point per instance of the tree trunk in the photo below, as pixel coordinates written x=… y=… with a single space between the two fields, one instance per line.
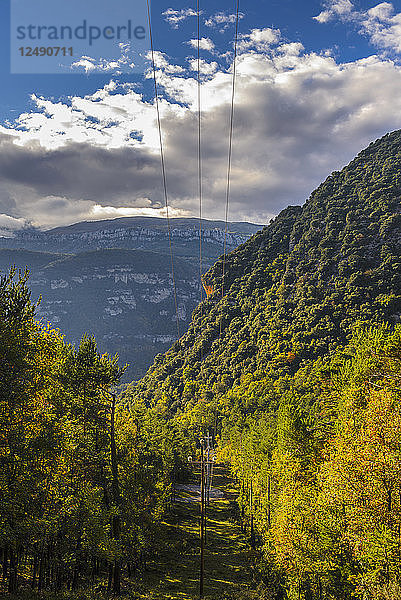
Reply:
x=5 y=563
x=34 y=569
x=13 y=572
x=41 y=572
x=116 y=522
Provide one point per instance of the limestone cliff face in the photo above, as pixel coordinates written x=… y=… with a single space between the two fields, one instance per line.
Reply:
x=113 y=279
x=124 y=297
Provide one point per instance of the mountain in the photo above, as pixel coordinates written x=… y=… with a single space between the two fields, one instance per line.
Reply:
x=142 y=233
x=123 y=297
x=107 y=279
x=294 y=291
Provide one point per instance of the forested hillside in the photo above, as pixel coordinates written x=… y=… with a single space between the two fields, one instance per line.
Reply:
x=112 y=279
x=294 y=361
x=317 y=457
x=296 y=289
x=293 y=364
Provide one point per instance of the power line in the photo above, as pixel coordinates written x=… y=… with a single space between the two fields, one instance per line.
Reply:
x=200 y=188
x=229 y=161
x=163 y=166
x=200 y=193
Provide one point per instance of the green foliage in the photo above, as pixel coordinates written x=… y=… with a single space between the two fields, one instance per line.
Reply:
x=295 y=290
x=319 y=472
x=294 y=361
x=83 y=484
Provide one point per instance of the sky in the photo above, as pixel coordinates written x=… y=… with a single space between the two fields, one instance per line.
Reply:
x=316 y=83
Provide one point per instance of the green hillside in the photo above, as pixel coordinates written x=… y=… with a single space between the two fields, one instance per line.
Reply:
x=302 y=386
x=298 y=286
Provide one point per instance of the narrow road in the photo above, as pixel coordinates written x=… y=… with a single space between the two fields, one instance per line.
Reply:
x=174 y=574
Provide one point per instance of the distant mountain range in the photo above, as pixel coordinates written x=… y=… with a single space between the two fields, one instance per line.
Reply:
x=135 y=233
x=113 y=279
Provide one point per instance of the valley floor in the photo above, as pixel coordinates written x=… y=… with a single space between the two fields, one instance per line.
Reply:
x=175 y=575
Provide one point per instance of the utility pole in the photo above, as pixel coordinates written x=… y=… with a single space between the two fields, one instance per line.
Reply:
x=208 y=468
x=205 y=464
x=202 y=527
x=251 y=511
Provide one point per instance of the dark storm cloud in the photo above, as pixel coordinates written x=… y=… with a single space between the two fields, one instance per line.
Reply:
x=80 y=170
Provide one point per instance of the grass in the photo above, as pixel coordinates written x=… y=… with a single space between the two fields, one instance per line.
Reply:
x=175 y=575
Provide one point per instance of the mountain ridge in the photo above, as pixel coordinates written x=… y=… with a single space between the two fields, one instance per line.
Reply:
x=148 y=233
x=146 y=221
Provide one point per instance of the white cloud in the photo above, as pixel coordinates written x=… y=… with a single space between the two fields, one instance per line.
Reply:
x=93 y=65
x=9 y=224
x=298 y=116
x=111 y=212
x=335 y=8
x=176 y=17
x=383 y=27
x=382 y=11
x=291 y=49
x=380 y=23
x=204 y=44
x=259 y=39
x=161 y=62
x=206 y=68
x=222 y=20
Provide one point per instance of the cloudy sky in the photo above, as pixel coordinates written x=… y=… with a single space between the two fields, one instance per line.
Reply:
x=316 y=83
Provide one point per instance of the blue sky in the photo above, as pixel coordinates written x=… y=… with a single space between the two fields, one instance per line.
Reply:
x=292 y=17
x=317 y=82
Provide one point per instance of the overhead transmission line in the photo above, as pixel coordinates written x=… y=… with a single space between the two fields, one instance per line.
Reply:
x=229 y=161
x=200 y=174
x=200 y=194
x=200 y=187
x=163 y=164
